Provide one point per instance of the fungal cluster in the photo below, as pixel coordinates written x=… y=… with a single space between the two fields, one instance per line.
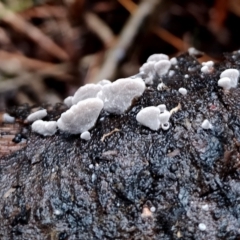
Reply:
x=116 y=98
x=228 y=79
x=154 y=117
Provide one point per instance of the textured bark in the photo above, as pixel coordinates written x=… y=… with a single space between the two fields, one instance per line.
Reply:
x=135 y=183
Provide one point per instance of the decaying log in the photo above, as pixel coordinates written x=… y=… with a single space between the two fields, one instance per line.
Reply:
x=182 y=183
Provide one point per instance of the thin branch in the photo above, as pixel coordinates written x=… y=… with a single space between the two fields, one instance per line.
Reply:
x=118 y=51
x=19 y=24
x=99 y=27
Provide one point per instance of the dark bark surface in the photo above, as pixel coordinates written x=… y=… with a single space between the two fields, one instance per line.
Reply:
x=62 y=187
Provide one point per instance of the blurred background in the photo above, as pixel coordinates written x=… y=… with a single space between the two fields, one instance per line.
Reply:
x=48 y=49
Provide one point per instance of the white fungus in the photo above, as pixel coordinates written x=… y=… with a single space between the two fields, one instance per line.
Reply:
x=171 y=73
x=104 y=82
x=6 y=118
x=162 y=107
x=205 y=207
x=194 y=52
x=149 y=117
x=202 y=227
x=148 y=69
x=225 y=83
x=37 y=115
x=86 y=136
x=157 y=57
x=118 y=96
x=44 y=128
x=233 y=74
x=173 y=61
x=164 y=118
x=206 y=69
x=87 y=91
x=208 y=63
x=68 y=101
x=206 y=124
x=161 y=86
x=183 y=91
x=152 y=209
x=80 y=117
x=161 y=67
x=165 y=126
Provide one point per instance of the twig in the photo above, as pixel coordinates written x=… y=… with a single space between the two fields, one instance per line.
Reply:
x=20 y=25
x=160 y=32
x=168 y=37
x=118 y=51
x=109 y=134
x=129 y=5
x=44 y=11
x=100 y=28
x=14 y=64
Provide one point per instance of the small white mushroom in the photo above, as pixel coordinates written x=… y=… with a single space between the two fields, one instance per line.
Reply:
x=44 y=128
x=161 y=86
x=205 y=207
x=87 y=91
x=194 y=52
x=118 y=96
x=208 y=63
x=165 y=126
x=149 y=117
x=225 y=83
x=37 y=115
x=173 y=61
x=86 y=136
x=233 y=74
x=80 y=117
x=171 y=73
x=206 y=124
x=161 y=67
x=157 y=57
x=202 y=227
x=206 y=69
x=164 y=119
x=183 y=91
x=6 y=118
